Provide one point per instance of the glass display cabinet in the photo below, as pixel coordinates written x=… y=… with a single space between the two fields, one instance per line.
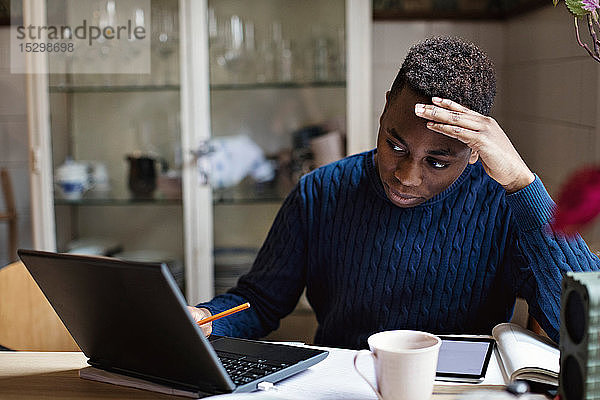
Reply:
x=188 y=162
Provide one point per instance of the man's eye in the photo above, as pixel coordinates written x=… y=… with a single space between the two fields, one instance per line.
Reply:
x=438 y=164
x=395 y=147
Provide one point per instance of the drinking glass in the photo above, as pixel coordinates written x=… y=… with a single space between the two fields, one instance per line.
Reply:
x=165 y=38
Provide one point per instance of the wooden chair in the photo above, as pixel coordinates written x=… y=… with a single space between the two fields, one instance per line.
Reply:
x=522 y=318
x=27 y=321
x=10 y=215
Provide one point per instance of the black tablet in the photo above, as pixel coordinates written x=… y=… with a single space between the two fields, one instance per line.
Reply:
x=464 y=358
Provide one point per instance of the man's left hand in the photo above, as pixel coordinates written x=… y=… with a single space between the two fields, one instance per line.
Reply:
x=484 y=136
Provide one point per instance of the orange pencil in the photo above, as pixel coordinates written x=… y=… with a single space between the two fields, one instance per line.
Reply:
x=224 y=313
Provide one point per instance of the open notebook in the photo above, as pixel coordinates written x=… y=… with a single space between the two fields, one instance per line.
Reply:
x=527 y=356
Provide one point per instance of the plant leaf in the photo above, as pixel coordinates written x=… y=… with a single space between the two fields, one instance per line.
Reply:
x=555 y=2
x=576 y=7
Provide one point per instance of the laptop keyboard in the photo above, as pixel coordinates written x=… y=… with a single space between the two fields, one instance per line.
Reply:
x=244 y=369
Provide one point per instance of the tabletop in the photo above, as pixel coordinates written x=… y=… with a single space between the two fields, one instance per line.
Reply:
x=54 y=375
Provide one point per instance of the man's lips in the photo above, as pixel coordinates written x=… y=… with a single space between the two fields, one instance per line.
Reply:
x=402 y=195
x=403 y=199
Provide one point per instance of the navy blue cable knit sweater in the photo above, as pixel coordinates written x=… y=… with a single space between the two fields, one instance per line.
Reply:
x=453 y=264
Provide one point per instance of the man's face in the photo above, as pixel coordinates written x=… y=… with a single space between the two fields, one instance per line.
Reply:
x=415 y=163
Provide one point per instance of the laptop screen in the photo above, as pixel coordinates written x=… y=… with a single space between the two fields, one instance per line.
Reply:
x=128 y=317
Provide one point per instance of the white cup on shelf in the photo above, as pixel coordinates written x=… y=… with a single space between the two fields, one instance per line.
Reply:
x=72 y=179
x=99 y=179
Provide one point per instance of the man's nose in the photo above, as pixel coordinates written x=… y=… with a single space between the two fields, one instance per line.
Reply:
x=408 y=173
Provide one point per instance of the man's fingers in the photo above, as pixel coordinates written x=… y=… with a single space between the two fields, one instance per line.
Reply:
x=206 y=329
x=453 y=106
x=453 y=131
x=442 y=115
x=199 y=314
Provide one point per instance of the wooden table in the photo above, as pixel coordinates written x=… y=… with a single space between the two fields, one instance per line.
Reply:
x=53 y=376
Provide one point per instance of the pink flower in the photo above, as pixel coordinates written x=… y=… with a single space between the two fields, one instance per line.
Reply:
x=578 y=201
x=590 y=5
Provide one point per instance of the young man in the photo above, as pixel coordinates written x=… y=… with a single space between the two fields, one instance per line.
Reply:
x=438 y=229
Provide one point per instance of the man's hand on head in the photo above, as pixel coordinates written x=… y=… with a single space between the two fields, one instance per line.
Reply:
x=199 y=314
x=484 y=136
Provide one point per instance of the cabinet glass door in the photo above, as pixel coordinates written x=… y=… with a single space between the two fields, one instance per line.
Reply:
x=116 y=140
x=278 y=110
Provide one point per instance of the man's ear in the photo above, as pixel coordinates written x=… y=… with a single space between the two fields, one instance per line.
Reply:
x=473 y=157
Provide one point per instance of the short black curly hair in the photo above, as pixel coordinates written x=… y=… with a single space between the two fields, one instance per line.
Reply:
x=451 y=68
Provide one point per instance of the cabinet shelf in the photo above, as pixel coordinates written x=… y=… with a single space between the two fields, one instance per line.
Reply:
x=220 y=197
x=217 y=87
x=278 y=85
x=250 y=192
x=247 y=200
x=113 y=89
x=105 y=201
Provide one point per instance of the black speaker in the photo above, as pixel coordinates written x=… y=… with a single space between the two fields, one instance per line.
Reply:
x=579 y=376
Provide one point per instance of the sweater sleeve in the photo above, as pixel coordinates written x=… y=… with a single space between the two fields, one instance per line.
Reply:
x=539 y=257
x=274 y=283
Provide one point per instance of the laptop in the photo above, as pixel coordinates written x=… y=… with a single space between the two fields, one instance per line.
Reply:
x=130 y=318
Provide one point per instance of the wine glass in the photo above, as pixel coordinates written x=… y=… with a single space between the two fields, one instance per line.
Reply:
x=165 y=29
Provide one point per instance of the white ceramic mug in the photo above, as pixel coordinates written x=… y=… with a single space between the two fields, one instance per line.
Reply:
x=73 y=179
x=405 y=364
